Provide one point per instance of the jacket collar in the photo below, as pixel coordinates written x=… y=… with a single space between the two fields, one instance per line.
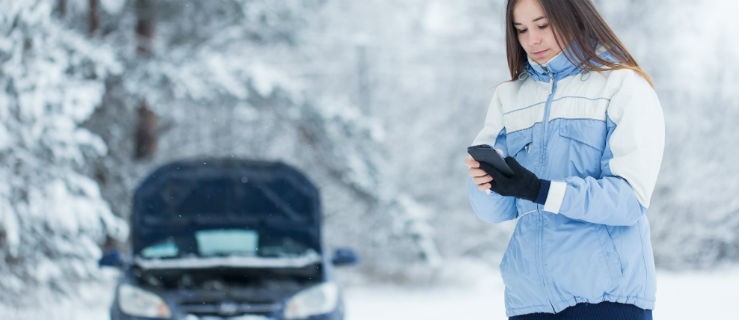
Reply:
x=559 y=66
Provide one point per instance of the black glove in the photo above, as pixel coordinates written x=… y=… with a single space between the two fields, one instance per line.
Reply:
x=522 y=184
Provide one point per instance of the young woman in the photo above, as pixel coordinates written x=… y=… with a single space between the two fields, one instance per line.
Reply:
x=582 y=128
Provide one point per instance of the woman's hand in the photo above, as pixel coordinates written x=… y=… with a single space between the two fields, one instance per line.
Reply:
x=479 y=176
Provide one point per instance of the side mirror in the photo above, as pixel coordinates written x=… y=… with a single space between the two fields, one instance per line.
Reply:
x=111 y=258
x=344 y=257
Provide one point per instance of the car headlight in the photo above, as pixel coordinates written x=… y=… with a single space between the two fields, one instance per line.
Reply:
x=141 y=303
x=320 y=299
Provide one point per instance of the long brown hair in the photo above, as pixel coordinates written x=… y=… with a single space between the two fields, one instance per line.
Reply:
x=575 y=23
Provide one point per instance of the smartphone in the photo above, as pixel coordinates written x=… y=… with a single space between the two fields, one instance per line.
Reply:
x=485 y=153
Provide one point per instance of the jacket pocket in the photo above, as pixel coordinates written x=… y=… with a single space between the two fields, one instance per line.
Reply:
x=583 y=144
x=611 y=256
x=592 y=136
x=579 y=258
x=518 y=143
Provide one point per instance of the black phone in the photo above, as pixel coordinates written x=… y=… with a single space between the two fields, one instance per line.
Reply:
x=485 y=153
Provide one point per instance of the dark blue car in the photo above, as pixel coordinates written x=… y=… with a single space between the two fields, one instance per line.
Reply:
x=227 y=239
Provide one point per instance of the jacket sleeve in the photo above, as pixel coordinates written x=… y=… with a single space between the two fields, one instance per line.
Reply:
x=629 y=166
x=490 y=206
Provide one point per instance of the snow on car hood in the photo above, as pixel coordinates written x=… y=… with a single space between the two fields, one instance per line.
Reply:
x=310 y=257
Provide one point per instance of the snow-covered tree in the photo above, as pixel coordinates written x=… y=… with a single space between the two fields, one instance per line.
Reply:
x=52 y=216
x=695 y=212
x=236 y=79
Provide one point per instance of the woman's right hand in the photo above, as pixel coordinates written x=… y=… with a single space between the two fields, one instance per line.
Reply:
x=479 y=176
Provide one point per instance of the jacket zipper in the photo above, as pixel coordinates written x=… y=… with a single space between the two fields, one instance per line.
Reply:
x=547 y=109
x=545 y=140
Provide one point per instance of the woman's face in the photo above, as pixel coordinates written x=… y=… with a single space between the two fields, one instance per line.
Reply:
x=535 y=34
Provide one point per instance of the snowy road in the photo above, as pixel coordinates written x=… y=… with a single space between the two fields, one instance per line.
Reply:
x=698 y=295
x=680 y=296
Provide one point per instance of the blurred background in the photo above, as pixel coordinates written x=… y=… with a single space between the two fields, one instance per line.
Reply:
x=374 y=100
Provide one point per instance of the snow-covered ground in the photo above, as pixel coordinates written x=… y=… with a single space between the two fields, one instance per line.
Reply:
x=479 y=295
x=680 y=295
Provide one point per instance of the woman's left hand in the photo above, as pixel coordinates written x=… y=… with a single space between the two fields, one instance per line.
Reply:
x=522 y=184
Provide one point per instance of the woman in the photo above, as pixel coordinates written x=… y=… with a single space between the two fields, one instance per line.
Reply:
x=583 y=131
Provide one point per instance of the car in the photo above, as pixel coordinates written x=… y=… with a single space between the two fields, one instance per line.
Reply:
x=227 y=239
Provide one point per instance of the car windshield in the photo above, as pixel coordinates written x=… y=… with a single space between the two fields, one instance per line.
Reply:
x=224 y=242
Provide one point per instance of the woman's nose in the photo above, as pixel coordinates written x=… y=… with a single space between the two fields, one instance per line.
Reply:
x=535 y=37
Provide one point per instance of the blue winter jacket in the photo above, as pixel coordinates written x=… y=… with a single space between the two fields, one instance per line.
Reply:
x=599 y=138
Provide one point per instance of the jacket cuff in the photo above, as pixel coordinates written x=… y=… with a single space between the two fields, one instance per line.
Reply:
x=555 y=196
x=541 y=198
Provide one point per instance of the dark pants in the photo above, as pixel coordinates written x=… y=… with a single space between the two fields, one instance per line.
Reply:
x=587 y=311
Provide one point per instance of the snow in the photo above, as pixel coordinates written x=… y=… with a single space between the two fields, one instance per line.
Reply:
x=705 y=295
x=222 y=75
x=475 y=293
x=680 y=295
x=266 y=79
x=113 y=6
x=443 y=19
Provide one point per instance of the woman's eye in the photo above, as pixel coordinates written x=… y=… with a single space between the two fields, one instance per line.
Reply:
x=521 y=31
x=543 y=27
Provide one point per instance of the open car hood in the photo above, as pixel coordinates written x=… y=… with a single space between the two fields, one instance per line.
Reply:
x=184 y=196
